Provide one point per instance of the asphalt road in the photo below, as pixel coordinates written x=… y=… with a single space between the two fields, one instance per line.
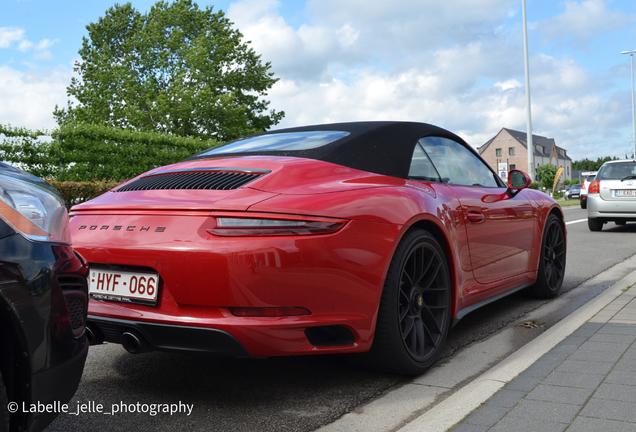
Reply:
x=295 y=393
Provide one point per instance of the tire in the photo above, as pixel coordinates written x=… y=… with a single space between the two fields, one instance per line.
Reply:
x=595 y=224
x=551 y=271
x=583 y=204
x=414 y=314
x=4 y=410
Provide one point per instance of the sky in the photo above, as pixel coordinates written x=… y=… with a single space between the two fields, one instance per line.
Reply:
x=457 y=64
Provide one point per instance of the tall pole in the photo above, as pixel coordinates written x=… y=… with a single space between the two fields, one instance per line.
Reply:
x=631 y=54
x=633 y=106
x=528 y=112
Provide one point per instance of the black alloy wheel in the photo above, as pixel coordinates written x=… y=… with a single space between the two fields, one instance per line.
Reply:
x=414 y=315
x=551 y=270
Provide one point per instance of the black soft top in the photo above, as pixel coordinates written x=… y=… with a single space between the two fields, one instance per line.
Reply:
x=382 y=147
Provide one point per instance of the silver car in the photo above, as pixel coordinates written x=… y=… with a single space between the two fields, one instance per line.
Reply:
x=612 y=195
x=584 y=187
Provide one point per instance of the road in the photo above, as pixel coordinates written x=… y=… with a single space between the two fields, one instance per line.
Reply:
x=296 y=393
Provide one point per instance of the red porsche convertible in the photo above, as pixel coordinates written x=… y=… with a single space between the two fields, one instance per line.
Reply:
x=370 y=237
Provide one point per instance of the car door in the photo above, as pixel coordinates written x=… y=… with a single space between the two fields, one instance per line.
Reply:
x=499 y=226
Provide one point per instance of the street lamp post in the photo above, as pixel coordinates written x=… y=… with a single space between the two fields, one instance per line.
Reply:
x=631 y=55
x=528 y=111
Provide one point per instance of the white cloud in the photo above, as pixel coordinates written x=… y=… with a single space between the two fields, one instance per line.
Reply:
x=510 y=84
x=45 y=43
x=43 y=55
x=28 y=98
x=582 y=22
x=9 y=35
x=25 y=45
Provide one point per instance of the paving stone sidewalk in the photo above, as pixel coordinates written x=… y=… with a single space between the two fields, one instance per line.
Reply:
x=587 y=383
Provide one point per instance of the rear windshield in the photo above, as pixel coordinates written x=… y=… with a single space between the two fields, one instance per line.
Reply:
x=618 y=171
x=290 y=141
x=590 y=178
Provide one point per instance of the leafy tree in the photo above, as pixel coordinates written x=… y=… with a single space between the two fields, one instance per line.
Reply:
x=176 y=69
x=547 y=172
x=589 y=165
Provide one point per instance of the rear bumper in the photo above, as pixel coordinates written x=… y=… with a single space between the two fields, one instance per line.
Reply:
x=597 y=207
x=163 y=337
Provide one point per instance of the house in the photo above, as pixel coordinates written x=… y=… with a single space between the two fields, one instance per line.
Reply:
x=509 y=150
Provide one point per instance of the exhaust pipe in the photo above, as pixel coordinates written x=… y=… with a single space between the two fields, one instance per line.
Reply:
x=134 y=343
x=94 y=334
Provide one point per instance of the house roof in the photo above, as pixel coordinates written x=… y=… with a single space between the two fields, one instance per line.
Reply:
x=537 y=141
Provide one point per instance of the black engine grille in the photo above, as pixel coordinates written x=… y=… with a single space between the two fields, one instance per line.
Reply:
x=209 y=178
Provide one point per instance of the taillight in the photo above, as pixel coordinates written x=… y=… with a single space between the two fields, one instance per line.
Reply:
x=268 y=225
x=595 y=186
x=582 y=186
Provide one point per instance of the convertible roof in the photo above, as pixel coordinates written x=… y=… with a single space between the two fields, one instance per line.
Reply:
x=382 y=147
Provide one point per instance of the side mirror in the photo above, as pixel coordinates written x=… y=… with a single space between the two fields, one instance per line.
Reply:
x=517 y=180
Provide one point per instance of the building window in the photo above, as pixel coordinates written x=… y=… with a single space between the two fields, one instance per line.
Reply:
x=568 y=170
x=513 y=166
x=498 y=153
x=511 y=151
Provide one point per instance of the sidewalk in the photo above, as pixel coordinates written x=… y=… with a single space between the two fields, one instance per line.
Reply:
x=587 y=382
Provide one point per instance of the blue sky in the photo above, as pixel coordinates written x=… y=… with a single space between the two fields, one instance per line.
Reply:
x=457 y=64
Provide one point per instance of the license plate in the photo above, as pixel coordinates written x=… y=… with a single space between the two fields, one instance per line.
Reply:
x=123 y=286
x=624 y=193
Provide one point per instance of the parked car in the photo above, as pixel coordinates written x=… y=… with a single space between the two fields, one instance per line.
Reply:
x=44 y=302
x=584 y=188
x=574 y=192
x=371 y=237
x=612 y=195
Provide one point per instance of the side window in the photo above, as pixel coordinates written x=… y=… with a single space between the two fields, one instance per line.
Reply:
x=456 y=164
x=421 y=166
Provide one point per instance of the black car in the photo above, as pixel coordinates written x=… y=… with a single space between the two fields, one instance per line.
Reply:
x=43 y=303
x=574 y=192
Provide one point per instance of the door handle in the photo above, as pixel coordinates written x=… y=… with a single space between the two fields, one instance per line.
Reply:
x=475 y=217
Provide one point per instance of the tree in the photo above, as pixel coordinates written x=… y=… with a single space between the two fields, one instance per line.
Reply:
x=547 y=173
x=176 y=69
x=588 y=165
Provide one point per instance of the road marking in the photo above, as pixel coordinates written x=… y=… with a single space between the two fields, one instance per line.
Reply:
x=576 y=221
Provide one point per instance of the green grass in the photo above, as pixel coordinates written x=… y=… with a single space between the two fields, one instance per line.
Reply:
x=572 y=202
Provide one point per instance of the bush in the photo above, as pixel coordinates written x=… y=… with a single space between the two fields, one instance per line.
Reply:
x=534 y=185
x=78 y=192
